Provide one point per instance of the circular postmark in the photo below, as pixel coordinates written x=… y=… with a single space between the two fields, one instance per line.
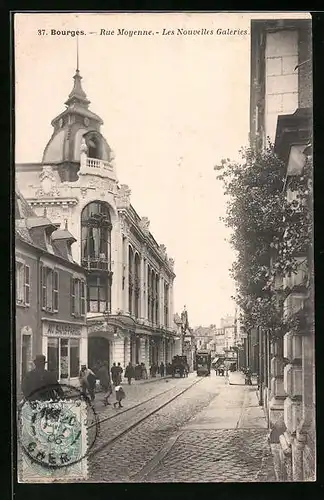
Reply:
x=58 y=433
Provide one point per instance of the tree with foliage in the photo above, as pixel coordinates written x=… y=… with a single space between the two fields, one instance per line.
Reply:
x=268 y=230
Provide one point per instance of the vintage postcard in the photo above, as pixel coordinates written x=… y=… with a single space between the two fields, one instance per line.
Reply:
x=164 y=281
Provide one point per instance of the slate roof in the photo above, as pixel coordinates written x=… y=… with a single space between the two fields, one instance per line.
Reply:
x=32 y=229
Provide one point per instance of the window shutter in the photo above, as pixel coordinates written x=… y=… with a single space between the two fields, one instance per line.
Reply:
x=27 y=285
x=55 y=291
x=82 y=297
x=72 y=296
x=77 y=297
x=43 y=286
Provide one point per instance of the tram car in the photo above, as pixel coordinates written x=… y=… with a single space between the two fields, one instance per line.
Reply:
x=203 y=363
x=180 y=366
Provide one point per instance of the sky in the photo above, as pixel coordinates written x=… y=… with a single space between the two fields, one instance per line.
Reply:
x=173 y=106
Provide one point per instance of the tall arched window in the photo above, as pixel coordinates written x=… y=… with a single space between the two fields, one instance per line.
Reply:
x=137 y=286
x=96 y=254
x=96 y=236
x=130 y=279
x=149 y=293
x=157 y=282
x=166 y=304
x=153 y=297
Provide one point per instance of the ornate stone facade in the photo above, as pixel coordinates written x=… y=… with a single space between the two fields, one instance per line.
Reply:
x=138 y=273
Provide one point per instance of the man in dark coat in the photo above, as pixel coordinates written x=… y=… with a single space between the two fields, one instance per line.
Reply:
x=162 y=369
x=40 y=384
x=114 y=374
x=105 y=381
x=129 y=372
x=119 y=372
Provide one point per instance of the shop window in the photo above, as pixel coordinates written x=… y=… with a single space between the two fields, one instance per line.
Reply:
x=77 y=297
x=49 y=289
x=53 y=355
x=22 y=284
x=99 y=294
x=63 y=356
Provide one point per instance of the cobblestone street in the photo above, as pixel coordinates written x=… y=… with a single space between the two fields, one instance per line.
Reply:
x=213 y=432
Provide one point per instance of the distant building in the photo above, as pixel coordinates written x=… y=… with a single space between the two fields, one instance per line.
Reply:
x=204 y=337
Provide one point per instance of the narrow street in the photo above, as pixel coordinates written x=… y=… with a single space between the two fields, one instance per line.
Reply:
x=190 y=430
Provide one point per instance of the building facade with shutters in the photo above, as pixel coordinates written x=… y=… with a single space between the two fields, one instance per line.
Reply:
x=49 y=320
x=129 y=276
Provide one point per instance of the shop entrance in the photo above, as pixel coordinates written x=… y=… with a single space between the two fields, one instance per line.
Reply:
x=98 y=351
x=154 y=353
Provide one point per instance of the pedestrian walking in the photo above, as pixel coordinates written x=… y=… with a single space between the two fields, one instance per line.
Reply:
x=87 y=381
x=129 y=373
x=138 y=372
x=119 y=372
x=162 y=369
x=120 y=395
x=105 y=381
x=143 y=371
x=114 y=374
x=40 y=384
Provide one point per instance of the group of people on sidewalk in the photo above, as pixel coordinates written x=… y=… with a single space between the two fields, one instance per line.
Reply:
x=42 y=384
x=161 y=369
x=139 y=371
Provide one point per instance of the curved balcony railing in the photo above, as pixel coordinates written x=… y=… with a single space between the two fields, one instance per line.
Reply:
x=96 y=264
x=98 y=164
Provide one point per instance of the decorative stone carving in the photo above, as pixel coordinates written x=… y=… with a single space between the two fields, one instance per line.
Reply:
x=123 y=196
x=171 y=263
x=83 y=191
x=54 y=214
x=145 y=224
x=163 y=251
x=83 y=147
x=97 y=327
x=48 y=183
x=124 y=226
x=98 y=183
x=100 y=326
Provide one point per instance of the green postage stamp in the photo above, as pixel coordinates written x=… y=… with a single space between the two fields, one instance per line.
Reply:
x=53 y=441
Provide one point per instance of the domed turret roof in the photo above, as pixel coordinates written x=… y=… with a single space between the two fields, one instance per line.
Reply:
x=75 y=122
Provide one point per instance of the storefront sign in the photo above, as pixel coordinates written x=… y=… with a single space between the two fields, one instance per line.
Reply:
x=63 y=330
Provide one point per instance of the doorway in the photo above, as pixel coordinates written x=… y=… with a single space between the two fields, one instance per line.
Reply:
x=98 y=351
x=26 y=355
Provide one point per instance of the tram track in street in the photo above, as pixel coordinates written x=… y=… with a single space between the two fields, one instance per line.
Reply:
x=118 y=413
x=119 y=434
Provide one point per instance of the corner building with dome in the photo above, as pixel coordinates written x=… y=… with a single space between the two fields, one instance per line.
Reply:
x=129 y=276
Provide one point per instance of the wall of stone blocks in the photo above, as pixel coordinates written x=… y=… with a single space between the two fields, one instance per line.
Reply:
x=281 y=77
